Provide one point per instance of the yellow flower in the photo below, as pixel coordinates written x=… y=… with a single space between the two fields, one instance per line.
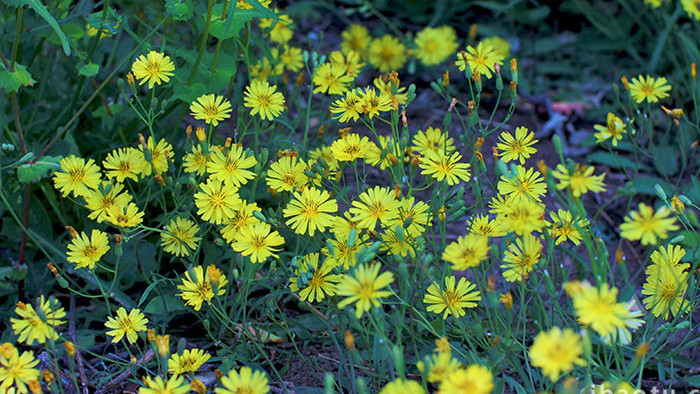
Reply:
x=647 y=225
x=452 y=299
x=314 y=282
x=466 y=252
x=356 y=38
x=38 y=325
x=331 y=78
x=665 y=287
x=671 y=255
x=286 y=174
x=77 y=176
x=124 y=163
x=364 y=286
x=189 y=361
x=482 y=225
x=386 y=85
x=521 y=216
x=198 y=286
x=501 y=46
x=481 y=59
x=376 y=204
x=351 y=147
x=17 y=371
x=349 y=61
x=84 y=251
x=311 y=210
x=614 y=129
x=432 y=139
x=400 y=386
x=103 y=199
x=153 y=68
x=399 y=246
x=435 y=44
x=412 y=216
x=244 y=380
x=526 y=183
x=125 y=215
x=292 y=58
x=264 y=100
x=180 y=237
x=216 y=202
x=231 y=167
x=598 y=308
x=556 y=352
x=521 y=257
x=474 y=379
x=126 y=325
x=439 y=366
x=340 y=252
x=280 y=32
x=195 y=161
x=242 y=217
x=348 y=107
x=692 y=7
x=211 y=108
x=564 y=227
x=175 y=385
x=387 y=53
x=519 y=147
x=649 y=89
x=372 y=104
x=442 y=166
x=159 y=155
x=579 y=179
x=257 y=241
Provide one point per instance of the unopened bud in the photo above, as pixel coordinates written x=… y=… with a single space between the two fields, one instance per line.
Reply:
x=72 y=232
x=163 y=345
x=404 y=120
x=197 y=386
x=343 y=132
x=349 y=341
x=201 y=134
x=130 y=79
x=496 y=341
x=394 y=78
x=442 y=213
x=642 y=350
x=52 y=268
x=188 y=131
x=218 y=374
x=47 y=376
x=479 y=156
x=159 y=179
x=693 y=71
x=506 y=299
x=150 y=335
x=321 y=130
x=214 y=274
x=7 y=350
x=133 y=360
x=446 y=78
x=473 y=30
x=625 y=82
x=228 y=142
x=452 y=104
x=619 y=256
x=491 y=284
x=542 y=167
x=677 y=204
x=34 y=386
x=443 y=345
x=142 y=141
x=415 y=160
x=70 y=348
x=300 y=79
x=479 y=142
x=470 y=106
x=397 y=190
x=476 y=77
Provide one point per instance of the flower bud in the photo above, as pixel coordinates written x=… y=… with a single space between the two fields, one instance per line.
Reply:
x=34 y=386
x=506 y=299
x=641 y=350
x=677 y=204
x=201 y=134
x=218 y=374
x=442 y=213
x=188 y=131
x=446 y=78
x=7 y=350
x=349 y=341
x=130 y=79
x=300 y=79
x=693 y=71
x=52 y=268
x=625 y=82
x=47 y=376
x=72 y=232
x=197 y=386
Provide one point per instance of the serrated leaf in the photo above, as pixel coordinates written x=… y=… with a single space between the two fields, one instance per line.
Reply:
x=88 y=70
x=32 y=172
x=11 y=81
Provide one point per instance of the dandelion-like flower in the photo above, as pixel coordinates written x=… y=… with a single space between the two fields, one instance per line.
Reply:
x=466 y=252
x=401 y=386
x=451 y=299
x=180 y=236
x=314 y=281
x=199 y=286
x=231 y=166
x=435 y=44
x=365 y=286
x=521 y=257
x=286 y=174
x=649 y=89
x=481 y=59
x=153 y=68
x=356 y=38
x=647 y=225
x=125 y=216
x=157 y=156
x=17 y=371
x=613 y=129
x=77 y=176
x=518 y=147
x=474 y=379
x=556 y=352
x=564 y=227
x=376 y=204
x=665 y=289
x=351 y=147
x=258 y=241
x=310 y=210
x=521 y=216
x=331 y=78
x=102 y=200
x=211 y=108
x=579 y=179
x=387 y=53
x=447 y=167
x=38 y=325
x=84 y=251
x=597 y=307
x=217 y=201
x=525 y=183
x=264 y=100
x=188 y=362
x=432 y=139
x=244 y=380
x=128 y=325
x=175 y=385
x=124 y=163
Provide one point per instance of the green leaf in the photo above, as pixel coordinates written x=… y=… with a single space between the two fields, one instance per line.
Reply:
x=645 y=184
x=179 y=10
x=31 y=172
x=612 y=160
x=88 y=70
x=40 y=9
x=162 y=305
x=11 y=81
x=666 y=160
